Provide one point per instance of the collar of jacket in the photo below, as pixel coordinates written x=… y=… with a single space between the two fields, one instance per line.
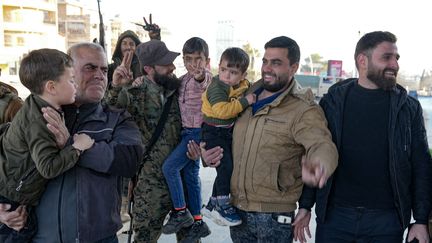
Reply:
x=293 y=89
x=398 y=94
x=90 y=111
x=42 y=103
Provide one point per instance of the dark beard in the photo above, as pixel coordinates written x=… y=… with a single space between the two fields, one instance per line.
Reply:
x=277 y=86
x=379 y=79
x=169 y=83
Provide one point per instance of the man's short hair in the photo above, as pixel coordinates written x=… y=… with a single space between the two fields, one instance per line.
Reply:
x=72 y=51
x=370 y=40
x=288 y=43
x=42 y=65
x=236 y=57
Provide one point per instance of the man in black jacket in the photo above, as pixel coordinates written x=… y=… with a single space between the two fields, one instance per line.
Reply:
x=385 y=169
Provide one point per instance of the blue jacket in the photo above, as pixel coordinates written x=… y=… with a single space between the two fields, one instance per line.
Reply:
x=410 y=163
x=83 y=204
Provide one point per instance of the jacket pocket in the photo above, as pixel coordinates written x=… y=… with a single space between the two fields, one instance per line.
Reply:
x=24 y=181
x=275 y=178
x=275 y=132
x=274 y=125
x=265 y=178
x=289 y=175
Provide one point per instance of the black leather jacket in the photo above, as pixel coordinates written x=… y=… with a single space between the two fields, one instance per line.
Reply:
x=410 y=163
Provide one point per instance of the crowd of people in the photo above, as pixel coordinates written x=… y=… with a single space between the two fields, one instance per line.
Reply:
x=360 y=156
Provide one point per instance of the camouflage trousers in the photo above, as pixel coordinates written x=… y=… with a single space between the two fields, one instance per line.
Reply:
x=152 y=203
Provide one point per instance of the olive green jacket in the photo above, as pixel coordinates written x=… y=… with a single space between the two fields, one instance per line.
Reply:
x=29 y=155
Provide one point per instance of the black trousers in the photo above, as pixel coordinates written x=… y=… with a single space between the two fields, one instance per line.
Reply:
x=220 y=136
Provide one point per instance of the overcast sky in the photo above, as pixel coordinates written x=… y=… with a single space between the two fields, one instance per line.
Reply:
x=328 y=27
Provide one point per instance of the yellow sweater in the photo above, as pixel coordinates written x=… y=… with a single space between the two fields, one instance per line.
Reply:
x=222 y=103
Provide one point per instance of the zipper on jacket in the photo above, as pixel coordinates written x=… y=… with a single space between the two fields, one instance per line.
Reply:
x=59 y=209
x=24 y=178
x=392 y=124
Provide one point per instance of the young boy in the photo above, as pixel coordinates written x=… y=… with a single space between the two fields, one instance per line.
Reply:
x=223 y=101
x=29 y=155
x=194 y=83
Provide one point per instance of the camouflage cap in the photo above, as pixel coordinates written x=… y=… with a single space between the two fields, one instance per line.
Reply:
x=155 y=52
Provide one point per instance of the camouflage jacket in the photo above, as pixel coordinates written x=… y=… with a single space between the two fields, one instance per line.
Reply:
x=10 y=102
x=145 y=104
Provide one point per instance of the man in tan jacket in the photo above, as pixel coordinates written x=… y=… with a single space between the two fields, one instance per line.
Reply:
x=279 y=143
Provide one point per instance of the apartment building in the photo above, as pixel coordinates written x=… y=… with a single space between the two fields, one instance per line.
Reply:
x=32 y=24
x=26 y=25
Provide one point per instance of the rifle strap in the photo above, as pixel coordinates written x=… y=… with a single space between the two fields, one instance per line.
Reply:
x=158 y=130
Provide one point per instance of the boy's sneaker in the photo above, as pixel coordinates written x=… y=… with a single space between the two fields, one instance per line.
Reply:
x=177 y=220
x=226 y=215
x=206 y=210
x=198 y=230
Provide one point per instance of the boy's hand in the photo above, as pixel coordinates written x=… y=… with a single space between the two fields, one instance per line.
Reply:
x=251 y=98
x=194 y=151
x=197 y=71
x=82 y=141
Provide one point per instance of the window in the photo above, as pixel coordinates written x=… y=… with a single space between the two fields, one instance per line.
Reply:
x=20 y=41
x=8 y=40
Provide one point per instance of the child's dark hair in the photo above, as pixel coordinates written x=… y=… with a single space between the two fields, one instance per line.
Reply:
x=196 y=44
x=42 y=65
x=236 y=57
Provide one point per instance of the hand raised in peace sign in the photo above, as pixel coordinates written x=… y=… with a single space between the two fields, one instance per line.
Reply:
x=152 y=28
x=197 y=69
x=123 y=74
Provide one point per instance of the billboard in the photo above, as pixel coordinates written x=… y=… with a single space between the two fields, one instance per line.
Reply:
x=334 y=68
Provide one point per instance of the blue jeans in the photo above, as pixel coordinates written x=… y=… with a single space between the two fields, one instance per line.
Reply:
x=360 y=225
x=262 y=228
x=178 y=161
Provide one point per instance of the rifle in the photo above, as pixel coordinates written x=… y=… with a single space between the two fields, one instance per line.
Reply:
x=101 y=28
